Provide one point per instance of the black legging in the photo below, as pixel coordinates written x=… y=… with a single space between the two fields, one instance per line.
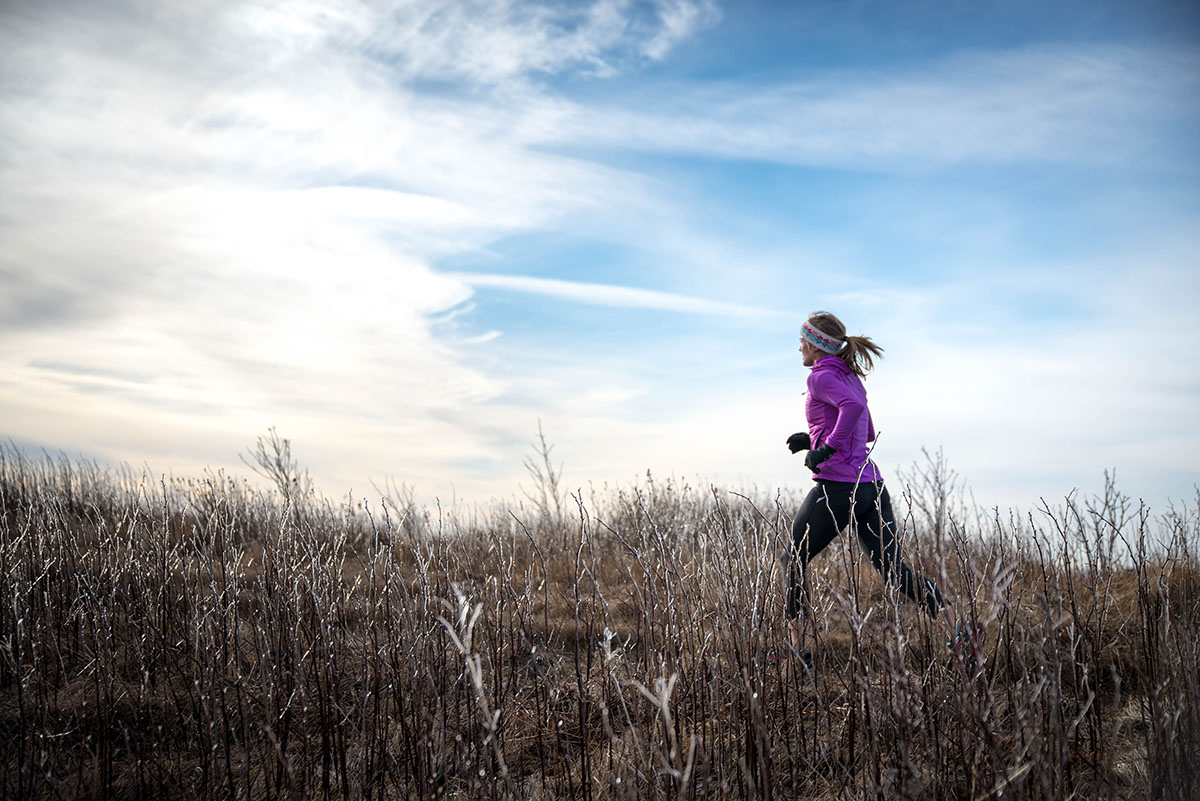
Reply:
x=822 y=516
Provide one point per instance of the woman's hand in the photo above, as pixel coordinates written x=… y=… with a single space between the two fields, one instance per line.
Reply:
x=799 y=442
x=814 y=458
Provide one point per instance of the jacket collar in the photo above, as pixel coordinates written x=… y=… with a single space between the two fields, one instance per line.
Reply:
x=831 y=362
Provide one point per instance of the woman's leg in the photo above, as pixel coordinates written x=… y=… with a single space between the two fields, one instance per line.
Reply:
x=876 y=535
x=823 y=514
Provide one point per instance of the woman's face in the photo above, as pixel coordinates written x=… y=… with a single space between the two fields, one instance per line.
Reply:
x=809 y=353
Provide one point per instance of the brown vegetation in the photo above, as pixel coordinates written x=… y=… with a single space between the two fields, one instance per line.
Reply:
x=195 y=639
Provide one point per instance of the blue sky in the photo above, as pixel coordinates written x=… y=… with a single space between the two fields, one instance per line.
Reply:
x=405 y=233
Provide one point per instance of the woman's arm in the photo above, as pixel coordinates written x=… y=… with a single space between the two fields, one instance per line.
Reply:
x=828 y=388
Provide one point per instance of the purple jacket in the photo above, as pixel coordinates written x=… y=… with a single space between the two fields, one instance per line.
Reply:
x=836 y=408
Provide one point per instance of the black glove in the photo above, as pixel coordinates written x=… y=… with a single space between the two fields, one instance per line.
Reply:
x=799 y=442
x=815 y=457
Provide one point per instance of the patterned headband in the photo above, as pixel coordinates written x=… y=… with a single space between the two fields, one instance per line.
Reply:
x=819 y=339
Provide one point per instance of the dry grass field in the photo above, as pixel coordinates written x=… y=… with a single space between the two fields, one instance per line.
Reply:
x=205 y=639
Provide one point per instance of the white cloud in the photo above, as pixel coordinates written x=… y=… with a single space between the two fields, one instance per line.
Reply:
x=680 y=20
x=222 y=216
x=1087 y=104
x=609 y=295
x=495 y=42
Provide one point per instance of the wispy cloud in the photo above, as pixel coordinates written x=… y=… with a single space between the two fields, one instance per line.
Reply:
x=1088 y=104
x=495 y=41
x=609 y=295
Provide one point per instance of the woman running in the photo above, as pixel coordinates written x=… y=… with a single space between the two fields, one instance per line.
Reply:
x=848 y=484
